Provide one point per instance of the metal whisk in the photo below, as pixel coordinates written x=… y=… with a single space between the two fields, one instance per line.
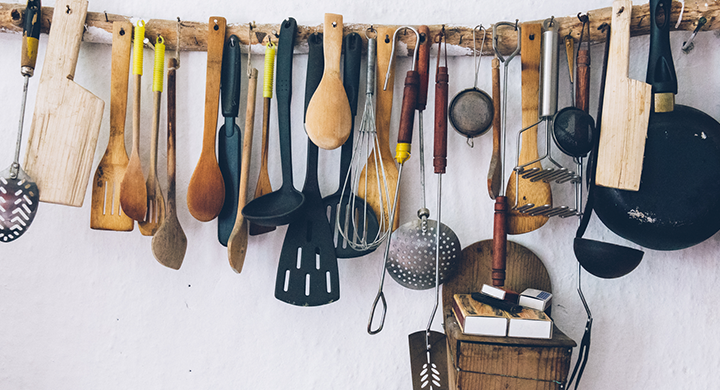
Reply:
x=354 y=225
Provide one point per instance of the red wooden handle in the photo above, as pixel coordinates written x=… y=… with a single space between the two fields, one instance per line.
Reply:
x=423 y=66
x=441 y=108
x=499 y=241
x=582 y=91
x=409 y=103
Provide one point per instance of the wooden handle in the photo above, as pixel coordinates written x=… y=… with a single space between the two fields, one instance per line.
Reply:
x=423 y=66
x=441 y=119
x=171 y=130
x=495 y=171
x=530 y=58
x=247 y=140
x=499 y=241
x=407 y=116
x=216 y=41
x=64 y=46
x=384 y=100
x=582 y=87
x=31 y=37
x=332 y=42
x=120 y=70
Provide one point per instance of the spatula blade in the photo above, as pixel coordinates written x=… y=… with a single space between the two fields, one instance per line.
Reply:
x=428 y=361
x=18 y=204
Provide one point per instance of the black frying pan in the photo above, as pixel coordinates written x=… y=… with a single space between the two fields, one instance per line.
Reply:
x=675 y=207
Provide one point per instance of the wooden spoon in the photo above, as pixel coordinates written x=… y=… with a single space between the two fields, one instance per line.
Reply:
x=155 y=202
x=133 y=194
x=329 y=119
x=206 y=192
x=383 y=113
x=105 y=211
x=237 y=243
x=538 y=192
x=169 y=242
x=263 y=185
x=494 y=178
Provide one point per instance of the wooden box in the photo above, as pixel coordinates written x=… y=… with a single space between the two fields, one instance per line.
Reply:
x=478 y=362
x=494 y=363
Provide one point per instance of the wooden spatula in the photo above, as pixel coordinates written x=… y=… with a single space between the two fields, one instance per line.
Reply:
x=67 y=117
x=206 y=192
x=328 y=116
x=105 y=212
x=537 y=192
x=626 y=111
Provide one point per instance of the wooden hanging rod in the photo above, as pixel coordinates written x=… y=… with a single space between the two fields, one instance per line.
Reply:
x=193 y=34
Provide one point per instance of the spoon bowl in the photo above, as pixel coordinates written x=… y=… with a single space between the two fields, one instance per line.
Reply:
x=606 y=260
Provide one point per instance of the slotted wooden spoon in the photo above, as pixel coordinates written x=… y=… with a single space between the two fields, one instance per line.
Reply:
x=155 y=203
x=237 y=243
x=133 y=195
x=169 y=242
x=206 y=192
x=537 y=192
x=105 y=211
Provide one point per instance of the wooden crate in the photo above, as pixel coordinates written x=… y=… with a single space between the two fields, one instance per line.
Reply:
x=490 y=363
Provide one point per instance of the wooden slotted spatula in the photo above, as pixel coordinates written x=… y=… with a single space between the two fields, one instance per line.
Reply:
x=206 y=192
x=67 y=118
x=155 y=202
x=105 y=212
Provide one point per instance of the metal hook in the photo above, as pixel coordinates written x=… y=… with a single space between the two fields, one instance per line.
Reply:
x=106 y=17
x=441 y=36
x=496 y=46
x=372 y=30
x=482 y=45
x=392 y=52
x=689 y=45
x=249 y=63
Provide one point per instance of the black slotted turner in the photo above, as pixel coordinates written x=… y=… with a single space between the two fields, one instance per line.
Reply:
x=308 y=269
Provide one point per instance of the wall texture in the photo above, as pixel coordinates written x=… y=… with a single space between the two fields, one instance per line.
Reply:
x=85 y=309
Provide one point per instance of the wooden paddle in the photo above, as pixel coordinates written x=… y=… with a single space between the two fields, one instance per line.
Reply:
x=105 y=211
x=67 y=118
x=206 y=192
x=133 y=194
x=329 y=118
x=626 y=111
x=538 y=192
x=237 y=243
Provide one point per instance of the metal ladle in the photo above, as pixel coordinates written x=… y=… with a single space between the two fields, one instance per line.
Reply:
x=471 y=110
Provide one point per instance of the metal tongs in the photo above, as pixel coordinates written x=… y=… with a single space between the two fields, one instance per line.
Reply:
x=584 y=351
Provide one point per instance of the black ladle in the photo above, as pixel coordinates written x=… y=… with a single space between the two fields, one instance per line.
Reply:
x=284 y=205
x=602 y=259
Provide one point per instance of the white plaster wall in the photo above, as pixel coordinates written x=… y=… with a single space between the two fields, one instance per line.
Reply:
x=85 y=309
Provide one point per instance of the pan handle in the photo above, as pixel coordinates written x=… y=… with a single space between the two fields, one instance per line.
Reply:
x=661 y=70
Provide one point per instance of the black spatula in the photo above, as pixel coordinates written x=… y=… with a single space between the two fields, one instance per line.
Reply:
x=308 y=270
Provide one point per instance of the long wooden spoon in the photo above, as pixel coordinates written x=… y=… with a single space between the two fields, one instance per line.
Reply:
x=329 y=118
x=368 y=177
x=133 y=195
x=155 y=202
x=237 y=243
x=169 y=242
x=206 y=192
x=263 y=184
x=537 y=192
x=105 y=211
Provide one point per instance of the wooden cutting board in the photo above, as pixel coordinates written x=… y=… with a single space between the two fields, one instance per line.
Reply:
x=67 y=117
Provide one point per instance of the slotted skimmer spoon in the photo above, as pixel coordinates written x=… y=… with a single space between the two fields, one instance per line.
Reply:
x=19 y=195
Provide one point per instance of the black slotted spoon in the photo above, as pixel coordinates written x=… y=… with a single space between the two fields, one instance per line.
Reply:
x=307 y=272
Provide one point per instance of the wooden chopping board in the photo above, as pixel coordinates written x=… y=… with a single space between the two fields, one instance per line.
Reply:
x=67 y=117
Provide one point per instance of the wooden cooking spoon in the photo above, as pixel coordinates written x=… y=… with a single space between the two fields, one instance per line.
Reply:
x=537 y=192
x=169 y=242
x=133 y=195
x=105 y=212
x=237 y=243
x=155 y=202
x=382 y=126
x=206 y=192
x=329 y=118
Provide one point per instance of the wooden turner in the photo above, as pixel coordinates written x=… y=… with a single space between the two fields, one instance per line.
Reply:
x=537 y=192
x=626 y=111
x=105 y=212
x=67 y=117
